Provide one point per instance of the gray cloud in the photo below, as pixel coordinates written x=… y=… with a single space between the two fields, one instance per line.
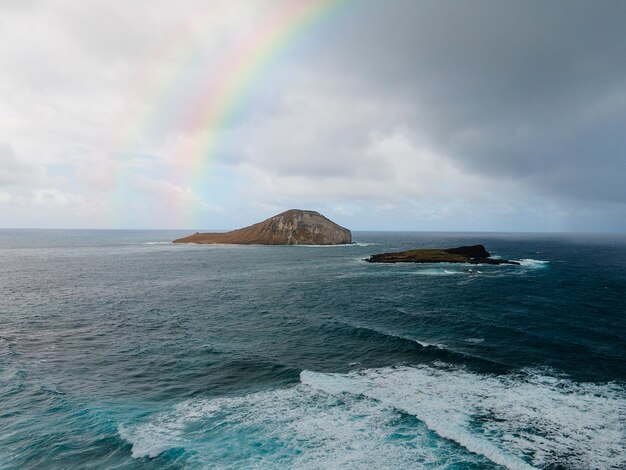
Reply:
x=528 y=90
x=490 y=111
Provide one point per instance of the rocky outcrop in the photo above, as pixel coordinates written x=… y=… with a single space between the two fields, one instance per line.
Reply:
x=474 y=254
x=293 y=227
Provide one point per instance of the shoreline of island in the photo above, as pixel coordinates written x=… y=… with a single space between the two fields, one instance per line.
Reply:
x=472 y=254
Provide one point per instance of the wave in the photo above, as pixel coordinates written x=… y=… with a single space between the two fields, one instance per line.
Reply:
x=435 y=417
x=298 y=427
x=437 y=272
x=509 y=419
x=533 y=263
x=157 y=243
x=399 y=417
x=422 y=343
x=429 y=349
x=360 y=329
x=385 y=271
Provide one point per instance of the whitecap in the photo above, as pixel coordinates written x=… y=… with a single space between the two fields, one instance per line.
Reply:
x=167 y=430
x=517 y=421
x=533 y=263
x=424 y=344
x=436 y=272
x=298 y=428
x=150 y=442
x=358 y=420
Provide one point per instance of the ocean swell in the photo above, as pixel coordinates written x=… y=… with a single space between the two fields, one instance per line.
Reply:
x=399 y=417
x=517 y=421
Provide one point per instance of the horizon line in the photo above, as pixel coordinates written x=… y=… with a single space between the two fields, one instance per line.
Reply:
x=550 y=232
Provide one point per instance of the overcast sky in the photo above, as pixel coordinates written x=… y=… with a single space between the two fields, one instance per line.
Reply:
x=395 y=115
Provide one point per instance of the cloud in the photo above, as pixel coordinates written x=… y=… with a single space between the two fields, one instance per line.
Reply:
x=528 y=91
x=55 y=199
x=14 y=170
x=5 y=198
x=99 y=172
x=487 y=115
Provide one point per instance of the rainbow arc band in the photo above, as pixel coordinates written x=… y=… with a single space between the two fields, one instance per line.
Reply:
x=220 y=97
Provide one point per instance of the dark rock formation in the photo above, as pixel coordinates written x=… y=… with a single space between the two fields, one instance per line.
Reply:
x=475 y=254
x=293 y=227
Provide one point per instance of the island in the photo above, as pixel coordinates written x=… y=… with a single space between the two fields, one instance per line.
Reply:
x=292 y=227
x=474 y=254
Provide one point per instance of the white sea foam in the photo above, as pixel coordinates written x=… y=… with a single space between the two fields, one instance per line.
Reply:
x=424 y=344
x=300 y=428
x=359 y=420
x=474 y=340
x=533 y=263
x=543 y=419
x=389 y=269
x=436 y=272
x=427 y=345
x=157 y=243
x=167 y=430
x=151 y=441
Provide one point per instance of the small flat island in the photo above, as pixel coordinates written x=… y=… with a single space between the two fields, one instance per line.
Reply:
x=292 y=227
x=474 y=254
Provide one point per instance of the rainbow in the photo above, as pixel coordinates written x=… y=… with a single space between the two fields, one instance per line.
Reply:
x=212 y=104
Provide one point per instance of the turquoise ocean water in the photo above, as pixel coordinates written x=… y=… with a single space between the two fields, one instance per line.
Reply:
x=119 y=349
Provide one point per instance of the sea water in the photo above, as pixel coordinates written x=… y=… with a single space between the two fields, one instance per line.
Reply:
x=119 y=349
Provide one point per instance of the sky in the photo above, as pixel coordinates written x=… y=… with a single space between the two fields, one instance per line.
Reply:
x=489 y=115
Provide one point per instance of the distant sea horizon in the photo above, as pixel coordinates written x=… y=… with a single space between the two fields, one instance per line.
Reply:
x=159 y=229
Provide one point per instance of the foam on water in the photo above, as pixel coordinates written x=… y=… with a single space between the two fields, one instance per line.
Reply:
x=300 y=427
x=104 y=337
x=533 y=263
x=474 y=340
x=359 y=420
x=517 y=421
x=420 y=271
x=437 y=272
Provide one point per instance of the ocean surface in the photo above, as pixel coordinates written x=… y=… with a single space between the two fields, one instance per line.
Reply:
x=119 y=349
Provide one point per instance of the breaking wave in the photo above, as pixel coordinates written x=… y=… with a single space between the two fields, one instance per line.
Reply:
x=533 y=263
x=400 y=417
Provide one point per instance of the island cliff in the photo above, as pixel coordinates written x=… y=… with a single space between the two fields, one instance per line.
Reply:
x=474 y=254
x=293 y=227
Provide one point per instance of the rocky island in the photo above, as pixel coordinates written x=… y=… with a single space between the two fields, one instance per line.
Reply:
x=293 y=227
x=474 y=254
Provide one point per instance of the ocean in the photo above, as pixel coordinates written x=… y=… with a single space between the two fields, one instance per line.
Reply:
x=119 y=350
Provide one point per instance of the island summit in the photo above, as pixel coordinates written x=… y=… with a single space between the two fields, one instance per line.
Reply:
x=292 y=227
